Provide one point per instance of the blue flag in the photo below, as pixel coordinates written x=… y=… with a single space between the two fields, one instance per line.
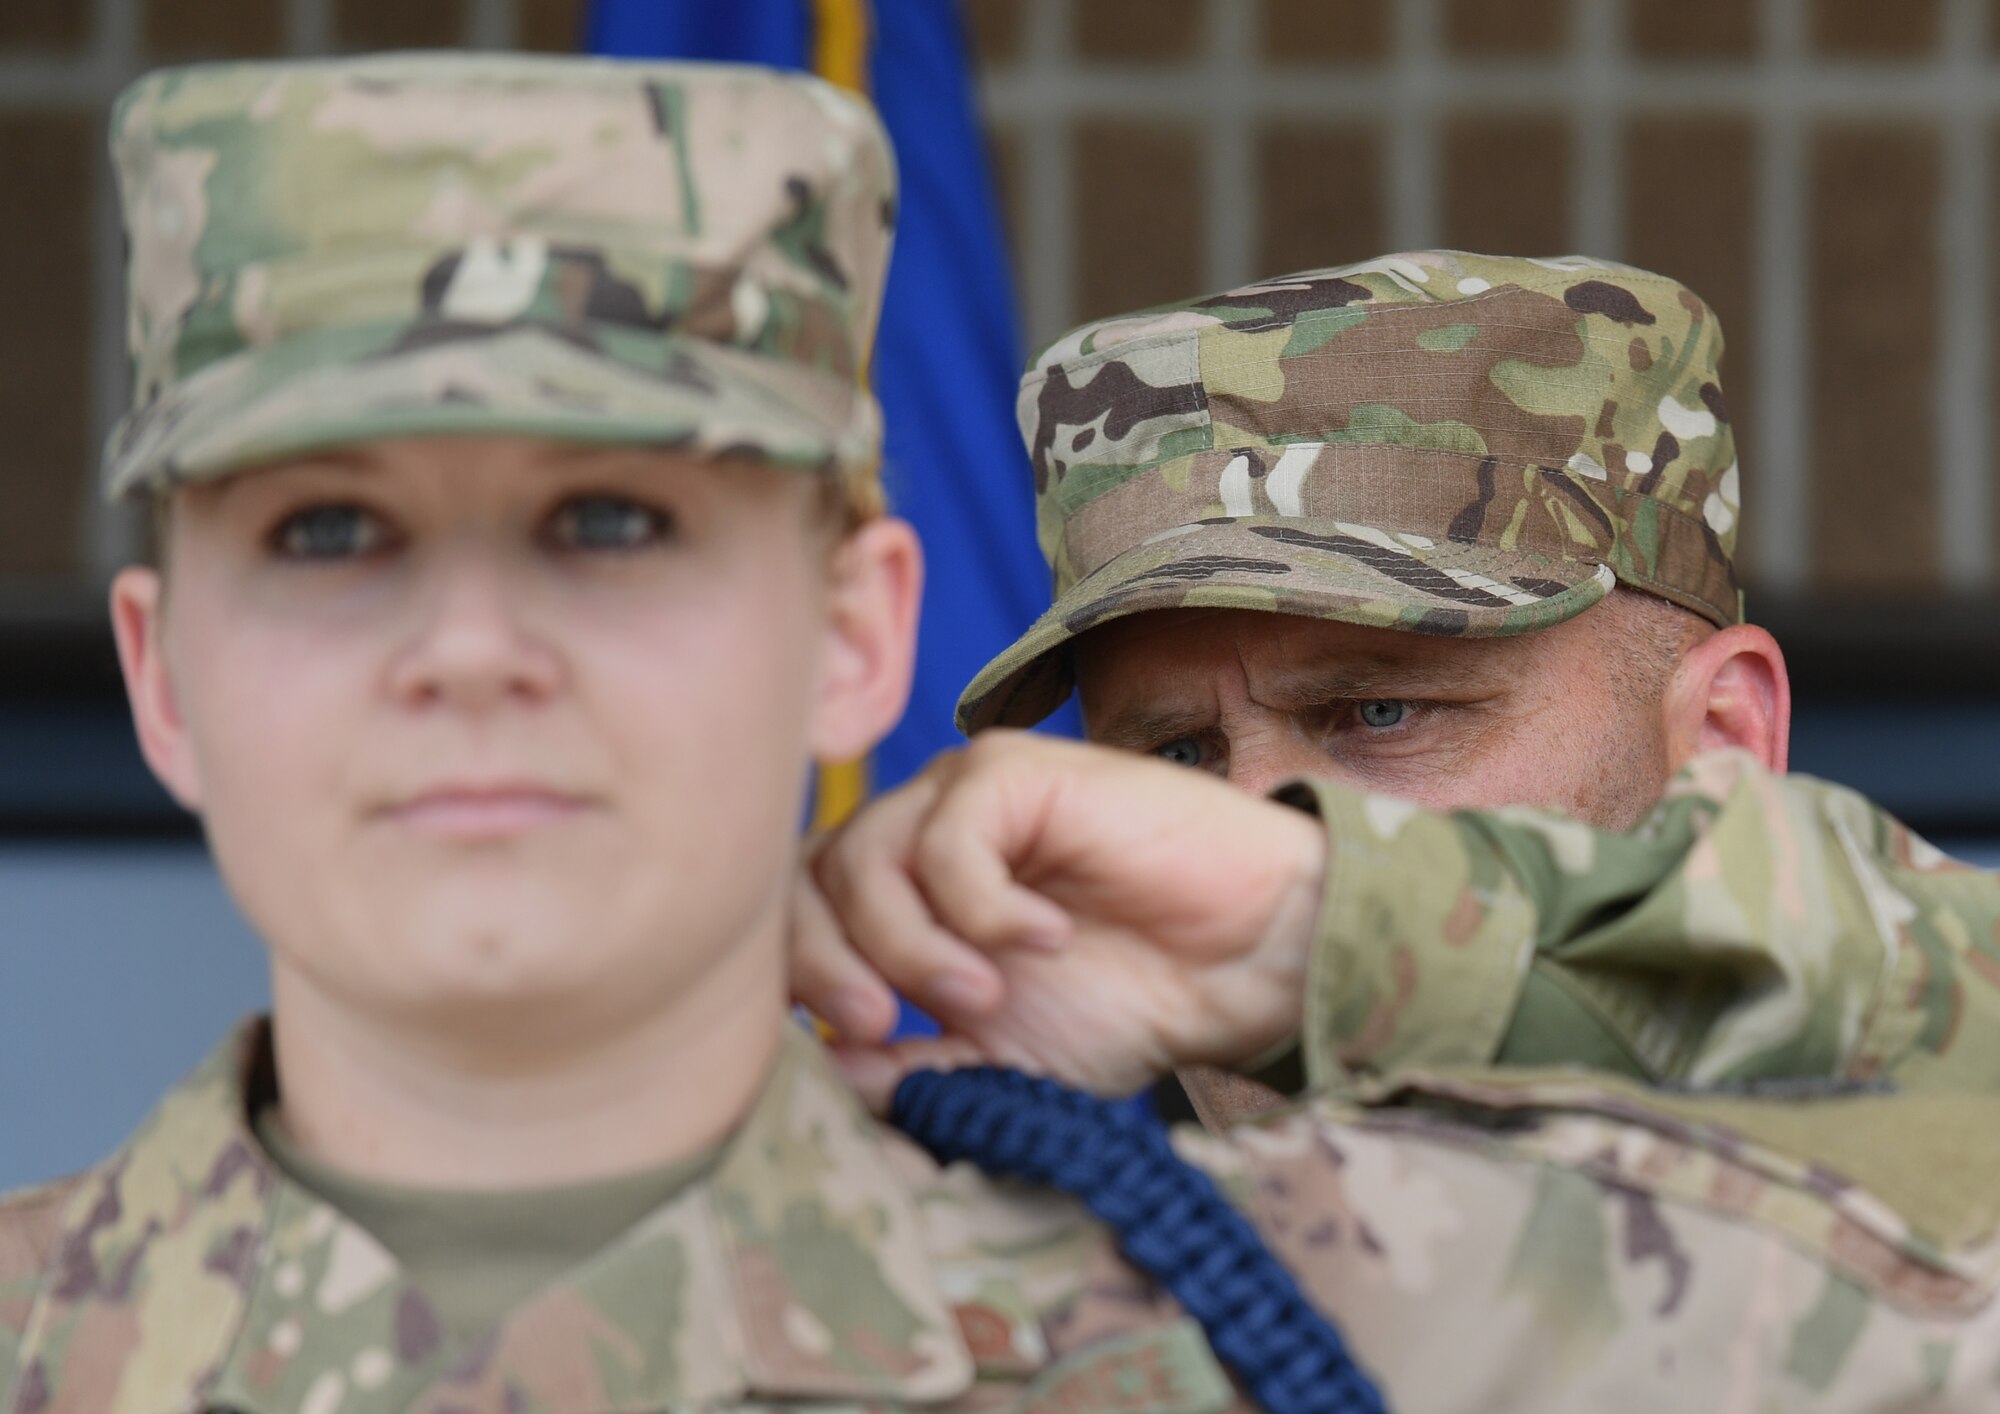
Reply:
x=948 y=357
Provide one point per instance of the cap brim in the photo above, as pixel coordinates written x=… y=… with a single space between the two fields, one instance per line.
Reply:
x=331 y=389
x=1318 y=569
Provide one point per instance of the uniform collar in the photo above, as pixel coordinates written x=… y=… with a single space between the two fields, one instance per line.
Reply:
x=189 y=1271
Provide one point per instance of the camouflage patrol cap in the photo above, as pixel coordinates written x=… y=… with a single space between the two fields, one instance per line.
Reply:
x=327 y=252
x=1441 y=442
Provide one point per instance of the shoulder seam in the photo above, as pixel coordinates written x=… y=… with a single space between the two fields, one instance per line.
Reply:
x=53 y=1188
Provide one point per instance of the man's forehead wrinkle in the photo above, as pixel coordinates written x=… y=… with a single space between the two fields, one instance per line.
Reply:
x=1140 y=693
x=1151 y=655
x=1304 y=671
x=1289 y=689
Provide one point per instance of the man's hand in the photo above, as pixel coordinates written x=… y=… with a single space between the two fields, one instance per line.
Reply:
x=1071 y=910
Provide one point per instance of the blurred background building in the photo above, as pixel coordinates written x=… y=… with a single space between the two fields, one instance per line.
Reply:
x=1825 y=172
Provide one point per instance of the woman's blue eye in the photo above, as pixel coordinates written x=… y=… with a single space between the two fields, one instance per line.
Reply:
x=329 y=533
x=1181 y=751
x=1383 y=713
x=608 y=523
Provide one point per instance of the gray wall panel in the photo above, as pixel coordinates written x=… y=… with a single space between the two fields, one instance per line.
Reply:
x=120 y=966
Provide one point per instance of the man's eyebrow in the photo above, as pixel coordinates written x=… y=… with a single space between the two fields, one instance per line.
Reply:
x=1140 y=728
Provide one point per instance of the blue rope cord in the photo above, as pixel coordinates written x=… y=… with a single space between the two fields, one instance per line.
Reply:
x=1171 y=1222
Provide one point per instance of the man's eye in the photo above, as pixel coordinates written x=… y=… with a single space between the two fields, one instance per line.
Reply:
x=1181 y=751
x=329 y=533
x=1382 y=713
x=607 y=523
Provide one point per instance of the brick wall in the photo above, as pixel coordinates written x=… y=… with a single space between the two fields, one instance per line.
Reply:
x=1824 y=171
x=62 y=376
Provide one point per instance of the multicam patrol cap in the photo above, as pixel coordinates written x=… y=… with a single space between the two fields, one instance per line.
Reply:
x=1441 y=442
x=327 y=252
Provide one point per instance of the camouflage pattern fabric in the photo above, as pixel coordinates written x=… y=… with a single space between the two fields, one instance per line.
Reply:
x=1753 y=929
x=189 y=1270
x=1575 y=1240
x=1440 y=442
x=328 y=252
x=1541 y=1244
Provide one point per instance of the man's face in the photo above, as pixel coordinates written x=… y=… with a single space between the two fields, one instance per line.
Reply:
x=496 y=721
x=1538 y=719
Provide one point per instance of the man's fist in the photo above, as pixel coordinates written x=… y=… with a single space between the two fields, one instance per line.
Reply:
x=1080 y=912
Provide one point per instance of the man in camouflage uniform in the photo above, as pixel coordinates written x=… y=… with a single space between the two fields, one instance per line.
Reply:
x=1753 y=937
x=1450 y=527
x=497 y=724
x=1453 y=527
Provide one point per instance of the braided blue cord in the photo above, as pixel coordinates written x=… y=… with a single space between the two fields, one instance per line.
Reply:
x=1171 y=1222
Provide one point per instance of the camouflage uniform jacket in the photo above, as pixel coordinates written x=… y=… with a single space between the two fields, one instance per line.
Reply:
x=1490 y=1237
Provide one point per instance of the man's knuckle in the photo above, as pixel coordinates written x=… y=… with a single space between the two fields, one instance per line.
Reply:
x=936 y=856
x=942 y=766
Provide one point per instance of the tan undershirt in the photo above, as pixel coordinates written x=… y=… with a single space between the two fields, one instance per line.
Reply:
x=478 y=1255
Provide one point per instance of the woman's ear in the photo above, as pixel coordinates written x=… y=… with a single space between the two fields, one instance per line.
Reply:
x=876 y=585
x=1731 y=690
x=136 y=612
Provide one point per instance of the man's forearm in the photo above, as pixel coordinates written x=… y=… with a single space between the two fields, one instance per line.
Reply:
x=1753 y=928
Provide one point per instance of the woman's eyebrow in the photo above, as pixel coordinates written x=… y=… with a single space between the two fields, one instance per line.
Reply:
x=334 y=463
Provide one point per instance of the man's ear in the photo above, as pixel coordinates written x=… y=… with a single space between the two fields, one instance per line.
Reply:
x=876 y=587
x=136 y=605
x=1731 y=689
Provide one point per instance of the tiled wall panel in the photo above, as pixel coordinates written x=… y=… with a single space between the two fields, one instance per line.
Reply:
x=1874 y=306
x=45 y=288
x=1123 y=31
x=1324 y=31
x=1790 y=159
x=1876 y=29
x=1506 y=183
x=1322 y=190
x=1233 y=137
x=1518 y=28
x=214 y=29
x=399 y=24
x=44 y=25
x=996 y=28
x=1686 y=30
x=1139 y=234
x=554 y=26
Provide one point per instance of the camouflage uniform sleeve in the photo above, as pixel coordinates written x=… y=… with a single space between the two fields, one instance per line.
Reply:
x=1569 y=1243
x=1753 y=928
